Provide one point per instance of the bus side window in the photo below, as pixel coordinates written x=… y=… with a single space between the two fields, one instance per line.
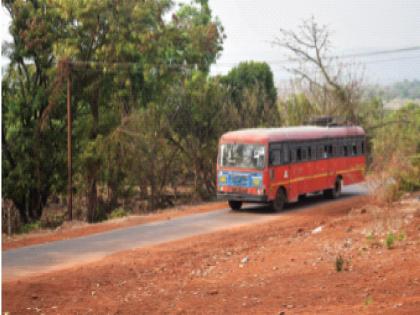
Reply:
x=346 y=149
x=337 y=148
x=327 y=150
x=298 y=154
x=304 y=153
x=330 y=150
x=363 y=146
x=309 y=153
x=321 y=151
x=292 y=154
x=340 y=148
x=286 y=154
x=275 y=157
x=359 y=147
x=354 y=148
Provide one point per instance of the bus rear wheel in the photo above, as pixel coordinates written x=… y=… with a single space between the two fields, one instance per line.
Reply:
x=335 y=192
x=278 y=204
x=235 y=205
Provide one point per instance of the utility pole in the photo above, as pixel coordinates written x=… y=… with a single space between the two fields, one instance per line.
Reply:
x=69 y=146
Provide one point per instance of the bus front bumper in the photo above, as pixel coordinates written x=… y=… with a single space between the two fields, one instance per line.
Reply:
x=242 y=197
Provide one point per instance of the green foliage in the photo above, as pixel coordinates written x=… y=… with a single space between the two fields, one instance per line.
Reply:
x=390 y=240
x=33 y=157
x=30 y=227
x=248 y=75
x=117 y=213
x=128 y=54
x=396 y=146
x=297 y=109
x=251 y=89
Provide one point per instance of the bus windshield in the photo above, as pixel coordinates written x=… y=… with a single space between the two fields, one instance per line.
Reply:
x=242 y=155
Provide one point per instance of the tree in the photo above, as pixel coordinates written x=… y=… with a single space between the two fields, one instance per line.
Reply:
x=396 y=146
x=33 y=159
x=334 y=86
x=123 y=57
x=297 y=109
x=199 y=111
x=251 y=88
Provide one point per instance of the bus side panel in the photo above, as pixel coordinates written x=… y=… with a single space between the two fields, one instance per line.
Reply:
x=280 y=178
x=324 y=174
x=353 y=172
x=298 y=180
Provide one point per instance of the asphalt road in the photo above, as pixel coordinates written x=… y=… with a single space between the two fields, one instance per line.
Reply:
x=55 y=255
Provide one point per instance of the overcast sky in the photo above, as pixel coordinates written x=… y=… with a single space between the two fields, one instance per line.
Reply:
x=357 y=26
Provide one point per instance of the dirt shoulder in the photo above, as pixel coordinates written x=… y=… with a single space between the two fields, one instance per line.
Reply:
x=77 y=228
x=287 y=266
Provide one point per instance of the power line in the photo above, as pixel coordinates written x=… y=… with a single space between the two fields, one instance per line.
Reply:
x=344 y=56
x=382 y=52
x=94 y=63
x=364 y=62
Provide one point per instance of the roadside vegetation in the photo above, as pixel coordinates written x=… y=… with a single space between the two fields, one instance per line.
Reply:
x=147 y=114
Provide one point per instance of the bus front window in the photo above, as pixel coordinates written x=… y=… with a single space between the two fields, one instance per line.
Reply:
x=243 y=155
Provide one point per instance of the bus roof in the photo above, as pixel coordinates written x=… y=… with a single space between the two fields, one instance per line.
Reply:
x=262 y=135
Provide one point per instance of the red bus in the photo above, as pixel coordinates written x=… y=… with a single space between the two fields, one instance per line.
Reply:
x=277 y=165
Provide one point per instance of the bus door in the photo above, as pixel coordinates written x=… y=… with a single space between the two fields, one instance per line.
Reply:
x=279 y=167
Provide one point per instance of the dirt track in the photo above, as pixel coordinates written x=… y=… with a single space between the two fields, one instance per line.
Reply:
x=289 y=269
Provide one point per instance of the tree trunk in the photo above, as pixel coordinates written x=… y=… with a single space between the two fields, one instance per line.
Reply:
x=92 y=197
x=22 y=211
x=92 y=206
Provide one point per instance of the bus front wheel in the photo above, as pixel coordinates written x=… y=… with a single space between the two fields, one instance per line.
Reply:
x=235 y=205
x=278 y=203
x=335 y=192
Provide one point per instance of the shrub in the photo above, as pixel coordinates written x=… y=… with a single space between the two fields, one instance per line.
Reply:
x=339 y=263
x=401 y=236
x=52 y=221
x=117 y=213
x=390 y=240
x=29 y=227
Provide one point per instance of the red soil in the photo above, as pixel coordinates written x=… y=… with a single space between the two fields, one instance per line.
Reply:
x=289 y=270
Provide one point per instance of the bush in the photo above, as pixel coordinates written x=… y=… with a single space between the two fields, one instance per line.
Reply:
x=52 y=221
x=339 y=263
x=117 y=213
x=390 y=240
x=29 y=227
